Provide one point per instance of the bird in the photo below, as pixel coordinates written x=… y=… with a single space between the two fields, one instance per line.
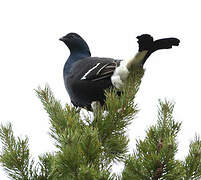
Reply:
x=86 y=78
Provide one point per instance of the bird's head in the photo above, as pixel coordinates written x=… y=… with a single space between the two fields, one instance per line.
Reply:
x=75 y=42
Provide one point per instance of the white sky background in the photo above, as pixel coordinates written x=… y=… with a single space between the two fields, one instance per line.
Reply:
x=31 y=55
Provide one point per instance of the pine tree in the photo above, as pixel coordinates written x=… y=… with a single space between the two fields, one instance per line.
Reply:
x=88 y=146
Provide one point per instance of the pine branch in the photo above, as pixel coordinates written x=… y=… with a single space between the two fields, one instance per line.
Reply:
x=43 y=169
x=79 y=147
x=192 y=162
x=61 y=119
x=15 y=157
x=154 y=156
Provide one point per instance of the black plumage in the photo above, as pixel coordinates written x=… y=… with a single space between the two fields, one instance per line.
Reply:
x=86 y=77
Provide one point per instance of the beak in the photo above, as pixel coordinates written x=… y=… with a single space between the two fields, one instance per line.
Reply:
x=62 y=39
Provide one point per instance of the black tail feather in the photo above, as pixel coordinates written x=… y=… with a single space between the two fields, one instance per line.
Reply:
x=146 y=42
x=166 y=43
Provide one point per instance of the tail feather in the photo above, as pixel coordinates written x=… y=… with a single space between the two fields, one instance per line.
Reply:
x=165 y=43
x=146 y=42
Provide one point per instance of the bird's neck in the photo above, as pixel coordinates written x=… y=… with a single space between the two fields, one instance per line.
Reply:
x=74 y=57
x=80 y=53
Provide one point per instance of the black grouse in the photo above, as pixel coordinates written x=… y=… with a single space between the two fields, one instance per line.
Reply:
x=86 y=77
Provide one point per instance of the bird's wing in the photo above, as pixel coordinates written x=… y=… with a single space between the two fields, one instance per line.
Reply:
x=101 y=68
